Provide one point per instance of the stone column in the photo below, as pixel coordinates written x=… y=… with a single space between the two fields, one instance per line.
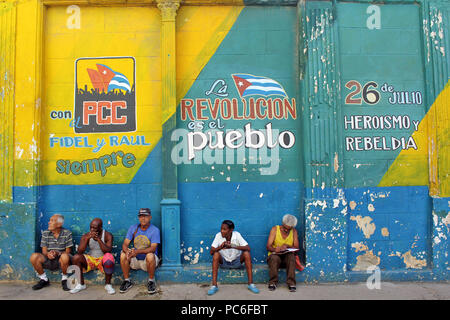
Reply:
x=170 y=205
x=7 y=72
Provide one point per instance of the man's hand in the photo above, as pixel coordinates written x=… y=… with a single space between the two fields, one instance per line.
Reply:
x=52 y=254
x=131 y=253
x=225 y=245
x=93 y=235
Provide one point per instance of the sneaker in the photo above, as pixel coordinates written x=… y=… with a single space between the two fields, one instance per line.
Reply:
x=253 y=288
x=125 y=286
x=212 y=290
x=151 y=287
x=272 y=287
x=292 y=288
x=41 y=284
x=109 y=288
x=78 y=288
x=64 y=285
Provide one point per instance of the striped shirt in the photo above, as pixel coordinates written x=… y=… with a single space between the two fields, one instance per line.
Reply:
x=64 y=240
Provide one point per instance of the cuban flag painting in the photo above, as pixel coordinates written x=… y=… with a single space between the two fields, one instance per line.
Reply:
x=248 y=85
x=106 y=79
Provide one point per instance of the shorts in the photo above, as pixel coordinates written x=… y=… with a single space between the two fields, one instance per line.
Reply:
x=141 y=264
x=235 y=264
x=53 y=264
x=99 y=263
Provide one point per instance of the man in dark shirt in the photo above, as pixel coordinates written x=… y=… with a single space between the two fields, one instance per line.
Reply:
x=56 y=244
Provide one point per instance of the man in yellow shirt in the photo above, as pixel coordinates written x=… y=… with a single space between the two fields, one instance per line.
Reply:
x=282 y=245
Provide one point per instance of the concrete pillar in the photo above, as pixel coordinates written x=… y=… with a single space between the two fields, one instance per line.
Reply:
x=7 y=72
x=170 y=205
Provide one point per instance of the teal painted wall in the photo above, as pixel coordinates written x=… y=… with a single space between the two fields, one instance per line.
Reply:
x=252 y=187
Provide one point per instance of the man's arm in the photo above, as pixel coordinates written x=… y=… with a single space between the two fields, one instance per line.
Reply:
x=83 y=243
x=125 y=245
x=107 y=245
x=45 y=251
x=242 y=248
x=242 y=244
x=214 y=249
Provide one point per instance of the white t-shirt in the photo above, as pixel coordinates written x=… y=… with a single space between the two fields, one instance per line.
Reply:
x=236 y=240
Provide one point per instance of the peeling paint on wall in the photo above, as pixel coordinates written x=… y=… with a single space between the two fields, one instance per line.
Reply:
x=7 y=271
x=412 y=262
x=358 y=246
x=446 y=220
x=366 y=261
x=365 y=224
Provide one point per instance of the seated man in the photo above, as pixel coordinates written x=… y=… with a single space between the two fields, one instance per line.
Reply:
x=144 y=255
x=99 y=257
x=281 y=238
x=56 y=244
x=230 y=250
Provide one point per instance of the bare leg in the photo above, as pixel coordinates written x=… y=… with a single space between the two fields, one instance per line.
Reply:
x=245 y=257
x=151 y=265
x=80 y=261
x=37 y=259
x=125 y=265
x=108 y=278
x=217 y=260
x=64 y=262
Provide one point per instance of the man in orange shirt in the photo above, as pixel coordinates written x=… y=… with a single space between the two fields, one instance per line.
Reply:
x=282 y=242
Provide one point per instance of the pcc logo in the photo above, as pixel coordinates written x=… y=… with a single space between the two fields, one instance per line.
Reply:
x=105 y=98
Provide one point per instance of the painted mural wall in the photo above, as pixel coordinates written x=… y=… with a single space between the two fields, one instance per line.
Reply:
x=336 y=112
x=238 y=132
x=375 y=181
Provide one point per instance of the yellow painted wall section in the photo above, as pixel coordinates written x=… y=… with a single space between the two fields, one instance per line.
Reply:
x=411 y=166
x=27 y=104
x=100 y=31
x=7 y=53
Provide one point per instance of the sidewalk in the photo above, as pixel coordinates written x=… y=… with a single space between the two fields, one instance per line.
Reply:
x=348 y=291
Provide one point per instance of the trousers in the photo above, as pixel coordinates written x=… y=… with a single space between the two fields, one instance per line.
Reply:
x=287 y=260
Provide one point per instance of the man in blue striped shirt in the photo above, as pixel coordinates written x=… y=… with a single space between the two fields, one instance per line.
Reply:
x=56 y=244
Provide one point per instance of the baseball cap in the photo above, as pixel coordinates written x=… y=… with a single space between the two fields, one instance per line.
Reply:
x=145 y=212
